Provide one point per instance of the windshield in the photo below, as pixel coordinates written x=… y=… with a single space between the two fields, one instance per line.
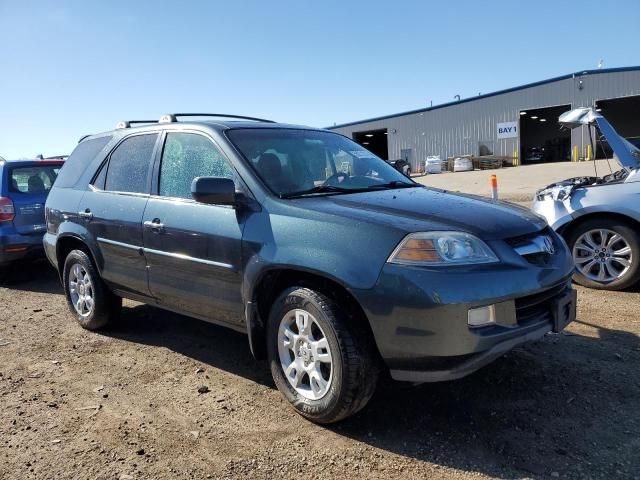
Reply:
x=308 y=162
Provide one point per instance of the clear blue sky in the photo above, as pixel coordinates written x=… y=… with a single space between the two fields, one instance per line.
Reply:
x=68 y=68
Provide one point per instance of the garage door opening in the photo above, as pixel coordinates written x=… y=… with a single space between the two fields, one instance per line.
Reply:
x=375 y=141
x=541 y=139
x=622 y=113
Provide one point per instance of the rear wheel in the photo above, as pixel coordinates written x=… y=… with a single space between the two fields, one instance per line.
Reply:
x=323 y=364
x=89 y=299
x=606 y=253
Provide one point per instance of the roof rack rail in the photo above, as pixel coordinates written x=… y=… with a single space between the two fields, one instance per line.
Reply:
x=173 y=117
x=128 y=123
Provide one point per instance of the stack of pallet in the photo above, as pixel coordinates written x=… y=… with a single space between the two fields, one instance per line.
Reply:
x=485 y=162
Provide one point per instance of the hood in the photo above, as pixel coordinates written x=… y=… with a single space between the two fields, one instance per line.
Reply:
x=625 y=153
x=427 y=209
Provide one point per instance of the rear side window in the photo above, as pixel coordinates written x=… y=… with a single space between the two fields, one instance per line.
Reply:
x=185 y=157
x=79 y=159
x=32 y=180
x=129 y=164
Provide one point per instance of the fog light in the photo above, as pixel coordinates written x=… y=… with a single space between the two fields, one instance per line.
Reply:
x=482 y=316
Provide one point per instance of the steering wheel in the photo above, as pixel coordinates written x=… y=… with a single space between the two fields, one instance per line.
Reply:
x=333 y=179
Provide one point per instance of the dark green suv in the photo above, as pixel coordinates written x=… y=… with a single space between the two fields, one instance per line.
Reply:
x=334 y=264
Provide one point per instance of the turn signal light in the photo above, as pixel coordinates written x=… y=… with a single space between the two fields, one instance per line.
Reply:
x=418 y=250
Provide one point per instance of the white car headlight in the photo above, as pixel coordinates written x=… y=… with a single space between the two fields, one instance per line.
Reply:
x=558 y=193
x=441 y=248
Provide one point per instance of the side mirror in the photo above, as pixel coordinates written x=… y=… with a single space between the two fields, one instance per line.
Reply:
x=213 y=190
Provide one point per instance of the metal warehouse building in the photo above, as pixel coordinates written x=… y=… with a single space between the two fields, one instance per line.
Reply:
x=519 y=122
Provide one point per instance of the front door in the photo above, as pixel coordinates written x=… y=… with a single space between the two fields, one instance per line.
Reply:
x=193 y=250
x=112 y=211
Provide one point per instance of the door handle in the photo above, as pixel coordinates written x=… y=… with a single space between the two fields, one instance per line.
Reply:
x=154 y=225
x=86 y=214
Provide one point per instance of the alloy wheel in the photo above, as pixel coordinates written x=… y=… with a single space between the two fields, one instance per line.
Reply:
x=305 y=356
x=602 y=255
x=81 y=290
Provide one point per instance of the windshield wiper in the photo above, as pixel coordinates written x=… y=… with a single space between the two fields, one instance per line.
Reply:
x=393 y=184
x=334 y=189
x=319 y=189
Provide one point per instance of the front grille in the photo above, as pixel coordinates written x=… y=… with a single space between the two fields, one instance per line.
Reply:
x=539 y=304
x=530 y=246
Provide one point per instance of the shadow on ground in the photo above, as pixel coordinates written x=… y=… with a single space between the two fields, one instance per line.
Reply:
x=217 y=346
x=38 y=276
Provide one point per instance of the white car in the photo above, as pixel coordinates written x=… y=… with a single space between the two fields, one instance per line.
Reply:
x=599 y=216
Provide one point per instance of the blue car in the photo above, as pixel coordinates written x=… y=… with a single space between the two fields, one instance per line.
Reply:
x=335 y=265
x=24 y=186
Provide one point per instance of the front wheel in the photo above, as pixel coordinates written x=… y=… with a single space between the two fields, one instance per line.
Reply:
x=606 y=253
x=323 y=364
x=89 y=299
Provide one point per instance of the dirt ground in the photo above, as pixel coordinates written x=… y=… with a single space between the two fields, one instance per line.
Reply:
x=124 y=403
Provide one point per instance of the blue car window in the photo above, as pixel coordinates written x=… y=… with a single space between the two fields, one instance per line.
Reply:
x=129 y=164
x=297 y=160
x=75 y=165
x=32 y=180
x=186 y=156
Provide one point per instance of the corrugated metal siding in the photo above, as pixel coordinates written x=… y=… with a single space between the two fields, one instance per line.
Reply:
x=457 y=129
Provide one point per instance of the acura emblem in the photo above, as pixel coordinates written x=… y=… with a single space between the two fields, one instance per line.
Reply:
x=547 y=245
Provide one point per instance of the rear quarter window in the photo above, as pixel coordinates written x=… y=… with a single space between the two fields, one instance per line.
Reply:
x=129 y=164
x=78 y=161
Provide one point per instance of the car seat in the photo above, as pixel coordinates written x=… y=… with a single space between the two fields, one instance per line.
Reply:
x=36 y=185
x=270 y=169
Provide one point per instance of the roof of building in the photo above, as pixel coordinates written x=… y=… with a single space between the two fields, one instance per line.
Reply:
x=492 y=94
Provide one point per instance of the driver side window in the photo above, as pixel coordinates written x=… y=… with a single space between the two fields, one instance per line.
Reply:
x=186 y=156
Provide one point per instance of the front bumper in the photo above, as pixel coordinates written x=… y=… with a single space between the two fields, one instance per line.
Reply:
x=455 y=369
x=419 y=315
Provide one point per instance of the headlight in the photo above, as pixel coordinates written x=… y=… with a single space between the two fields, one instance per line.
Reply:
x=556 y=193
x=441 y=248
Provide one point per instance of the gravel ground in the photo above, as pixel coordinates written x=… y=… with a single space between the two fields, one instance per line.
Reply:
x=125 y=403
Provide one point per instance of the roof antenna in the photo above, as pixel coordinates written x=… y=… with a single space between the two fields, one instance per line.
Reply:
x=600 y=63
x=457 y=97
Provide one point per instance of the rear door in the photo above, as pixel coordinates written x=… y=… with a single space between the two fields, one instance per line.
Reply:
x=29 y=185
x=192 y=249
x=112 y=211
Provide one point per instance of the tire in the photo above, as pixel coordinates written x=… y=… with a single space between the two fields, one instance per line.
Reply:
x=612 y=264
x=408 y=172
x=350 y=371
x=99 y=307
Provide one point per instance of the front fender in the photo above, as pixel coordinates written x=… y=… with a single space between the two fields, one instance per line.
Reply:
x=321 y=245
x=328 y=246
